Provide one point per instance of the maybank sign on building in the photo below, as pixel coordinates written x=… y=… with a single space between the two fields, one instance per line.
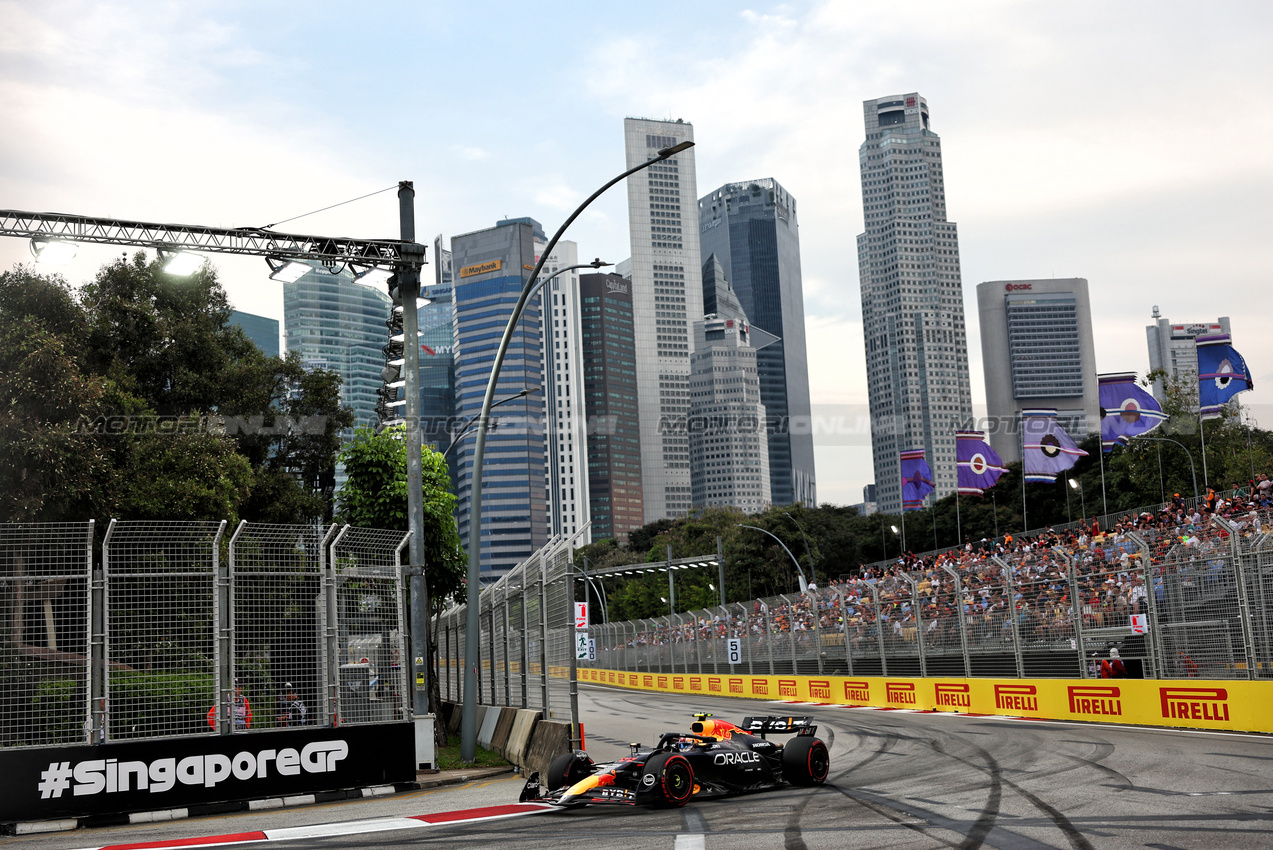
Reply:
x=481 y=268
x=1190 y=703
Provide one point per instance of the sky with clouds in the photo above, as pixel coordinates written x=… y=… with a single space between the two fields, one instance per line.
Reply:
x=1124 y=142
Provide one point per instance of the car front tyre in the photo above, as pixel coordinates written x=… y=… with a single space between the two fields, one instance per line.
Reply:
x=673 y=779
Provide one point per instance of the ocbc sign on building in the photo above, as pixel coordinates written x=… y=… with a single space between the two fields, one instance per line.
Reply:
x=1017 y=287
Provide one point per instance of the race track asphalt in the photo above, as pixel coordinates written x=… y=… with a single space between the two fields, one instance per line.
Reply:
x=898 y=780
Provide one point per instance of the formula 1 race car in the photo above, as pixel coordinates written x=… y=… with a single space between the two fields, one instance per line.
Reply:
x=713 y=760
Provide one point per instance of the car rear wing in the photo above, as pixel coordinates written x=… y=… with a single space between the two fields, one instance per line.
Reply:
x=778 y=725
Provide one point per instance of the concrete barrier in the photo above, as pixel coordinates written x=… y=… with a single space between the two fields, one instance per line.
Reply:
x=453 y=720
x=486 y=729
x=519 y=737
x=550 y=740
x=499 y=740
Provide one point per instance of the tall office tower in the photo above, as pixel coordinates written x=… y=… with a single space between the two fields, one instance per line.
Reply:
x=610 y=399
x=491 y=267
x=262 y=330
x=567 y=472
x=437 y=359
x=1172 y=348
x=340 y=325
x=729 y=446
x=751 y=228
x=912 y=300
x=1037 y=351
x=666 y=297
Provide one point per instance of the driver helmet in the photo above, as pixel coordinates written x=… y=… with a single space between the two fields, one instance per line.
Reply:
x=684 y=745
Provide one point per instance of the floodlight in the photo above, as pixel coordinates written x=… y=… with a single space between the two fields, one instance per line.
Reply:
x=181 y=263
x=401 y=337
x=421 y=301
x=48 y=252
x=373 y=276
x=287 y=271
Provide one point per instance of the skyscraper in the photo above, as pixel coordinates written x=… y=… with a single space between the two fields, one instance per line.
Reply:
x=1172 y=347
x=729 y=451
x=567 y=442
x=912 y=298
x=437 y=359
x=340 y=325
x=751 y=228
x=262 y=330
x=610 y=398
x=491 y=267
x=1038 y=351
x=666 y=297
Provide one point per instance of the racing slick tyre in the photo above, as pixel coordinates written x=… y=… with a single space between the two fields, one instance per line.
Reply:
x=805 y=761
x=671 y=779
x=566 y=770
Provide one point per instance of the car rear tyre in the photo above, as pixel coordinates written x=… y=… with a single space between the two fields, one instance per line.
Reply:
x=673 y=782
x=567 y=769
x=805 y=761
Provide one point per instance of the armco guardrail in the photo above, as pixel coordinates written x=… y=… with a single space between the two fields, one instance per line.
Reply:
x=1193 y=704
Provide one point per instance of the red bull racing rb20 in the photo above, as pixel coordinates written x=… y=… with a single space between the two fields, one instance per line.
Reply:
x=714 y=759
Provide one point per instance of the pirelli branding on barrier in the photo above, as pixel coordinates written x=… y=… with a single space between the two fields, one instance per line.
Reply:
x=1189 y=703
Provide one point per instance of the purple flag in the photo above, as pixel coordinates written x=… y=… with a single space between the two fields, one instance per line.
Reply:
x=1126 y=410
x=979 y=465
x=917 y=480
x=1222 y=374
x=1049 y=451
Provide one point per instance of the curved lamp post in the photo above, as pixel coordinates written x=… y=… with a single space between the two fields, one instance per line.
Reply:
x=807 y=553
x=1192 y=470
x=804 y=585
x=472 y=630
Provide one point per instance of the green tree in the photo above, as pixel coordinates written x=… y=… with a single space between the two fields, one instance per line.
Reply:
x=375 y=496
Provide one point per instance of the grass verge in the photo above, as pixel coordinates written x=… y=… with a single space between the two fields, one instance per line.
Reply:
x=449 y=757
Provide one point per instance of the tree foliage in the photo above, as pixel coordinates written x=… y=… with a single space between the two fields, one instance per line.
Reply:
x=139 y=399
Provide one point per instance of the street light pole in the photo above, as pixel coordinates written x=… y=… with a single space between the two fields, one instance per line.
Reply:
x=807 y=553
x=408 y=273
x=1192 y=469
x=472 y=629
x=804 y=584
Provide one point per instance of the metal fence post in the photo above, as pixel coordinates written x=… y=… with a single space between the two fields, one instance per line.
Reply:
x=1244 y=609
x=1076 y=606
x=919 y=624
x=543 y=626
x=963 y=618
x=879 y=627
x=1012 y=612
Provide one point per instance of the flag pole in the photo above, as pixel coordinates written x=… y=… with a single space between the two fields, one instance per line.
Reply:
x=1025 y=524
x=1100 y=452
x=1202 y=435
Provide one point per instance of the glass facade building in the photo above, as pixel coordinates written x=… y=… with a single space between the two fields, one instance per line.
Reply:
x=751 y=229
x=340 y=325
x=611 y=405
x=491 y=268
x=912 y=298
x=262 y=330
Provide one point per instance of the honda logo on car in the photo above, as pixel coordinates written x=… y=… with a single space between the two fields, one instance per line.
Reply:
x=1091 y=699
x=111 y=775
x=1195 y=703
x=735 y=758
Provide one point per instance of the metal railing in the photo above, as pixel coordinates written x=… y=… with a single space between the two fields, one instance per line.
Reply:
x=1179 y=601
x=184 y=632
